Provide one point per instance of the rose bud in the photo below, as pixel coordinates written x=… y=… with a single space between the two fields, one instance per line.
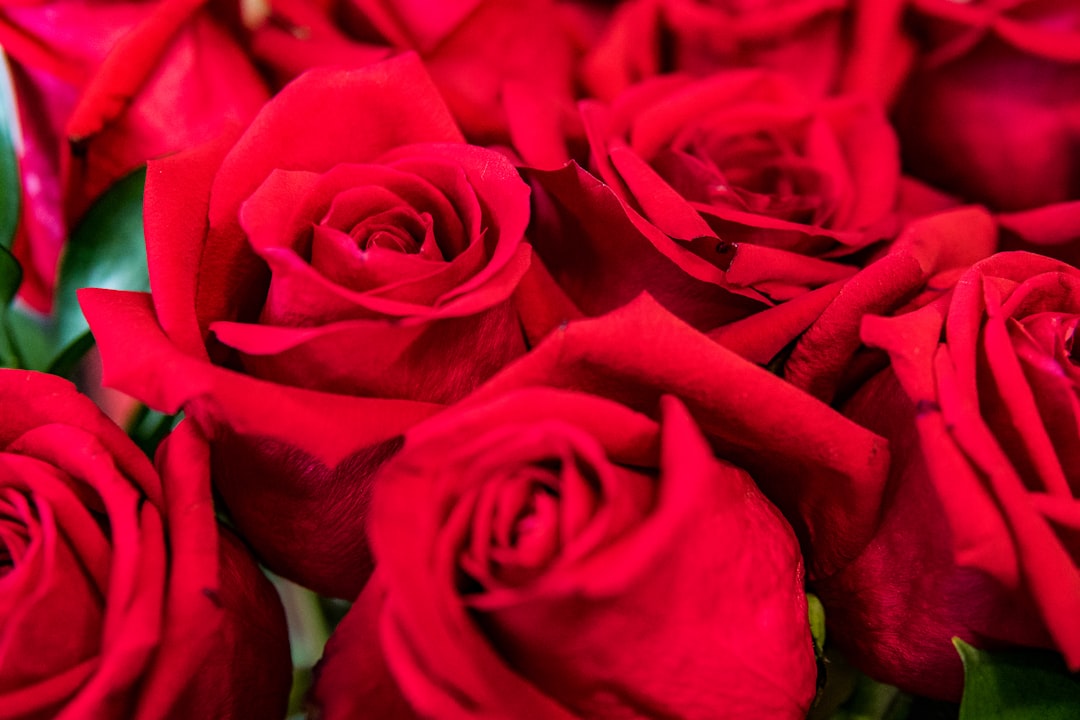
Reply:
x=827 y=45
x=347 y=256
x=992 y=112
x=978 y=536
x=120 y=596
x=552 y=554
x=101 y=87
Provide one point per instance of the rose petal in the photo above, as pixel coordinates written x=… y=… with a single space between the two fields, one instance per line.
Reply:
x=756 y=420
x=301 y=463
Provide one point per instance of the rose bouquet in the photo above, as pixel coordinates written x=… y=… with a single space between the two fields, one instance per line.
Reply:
x=540 y=359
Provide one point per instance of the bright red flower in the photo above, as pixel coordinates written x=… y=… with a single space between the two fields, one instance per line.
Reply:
x=552 y=554
x=120 y=596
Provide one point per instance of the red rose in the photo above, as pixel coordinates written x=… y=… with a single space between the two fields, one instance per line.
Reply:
x=571 y=558
x=1000 y=82
x=742 y=196
x=826 y=44
x=491 y=60
x=978 y=536
x=794 y=187
x=828 y=360
x=591 y=257
x=348 y=251
x=101 y=88
x=754 y=419
x=119 y=594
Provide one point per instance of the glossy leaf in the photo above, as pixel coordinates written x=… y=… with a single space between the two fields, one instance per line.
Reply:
x=149 y=427
x=1017 y=685
x=106 y=250
x=10 y=277
x=816 y=612
x=31 y=333
x=871 y=700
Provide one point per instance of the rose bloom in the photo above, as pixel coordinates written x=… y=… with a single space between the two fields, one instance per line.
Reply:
x=101 y=87
x=571 y=558
x=721 y=197
x=347 y=256
x=796 y=184
x=827 y=45
x=978 y=536
x=120 y=597
x=829 y=360
x=992 y=112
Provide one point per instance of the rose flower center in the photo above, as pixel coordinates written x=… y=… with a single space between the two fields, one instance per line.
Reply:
x=518 y=528
x=14 y=537
x=759 y=172
x=747 y=7
x=6 y=564
x=401 y=230
x=1055 y=336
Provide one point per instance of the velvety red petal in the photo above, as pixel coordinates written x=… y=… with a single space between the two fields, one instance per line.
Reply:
x=760 y=337
x=895 y=609
x=525 y=43
x=329 y=111
x=298 y=36
x=335 y=126
x=433 y=362
x=118 y=124
x=267 y=466
x=756 y=420
x=1052 y=230
x=224 y=650
x=1051 y=576
x=929 y=246
x=603 y=260
x=176 y=201
x=709 y=506
x=44 y=102
x=414 y=23
x=352 y=678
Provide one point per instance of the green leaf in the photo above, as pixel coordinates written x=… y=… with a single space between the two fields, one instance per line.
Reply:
x=106 y=250
x=9 y=163
x=149 y=427
x=10 y=277
x=1017 y=685
x=872 y=700
x=817 y=620
x=816 y=613
x=30 y=332
x=308 y=633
